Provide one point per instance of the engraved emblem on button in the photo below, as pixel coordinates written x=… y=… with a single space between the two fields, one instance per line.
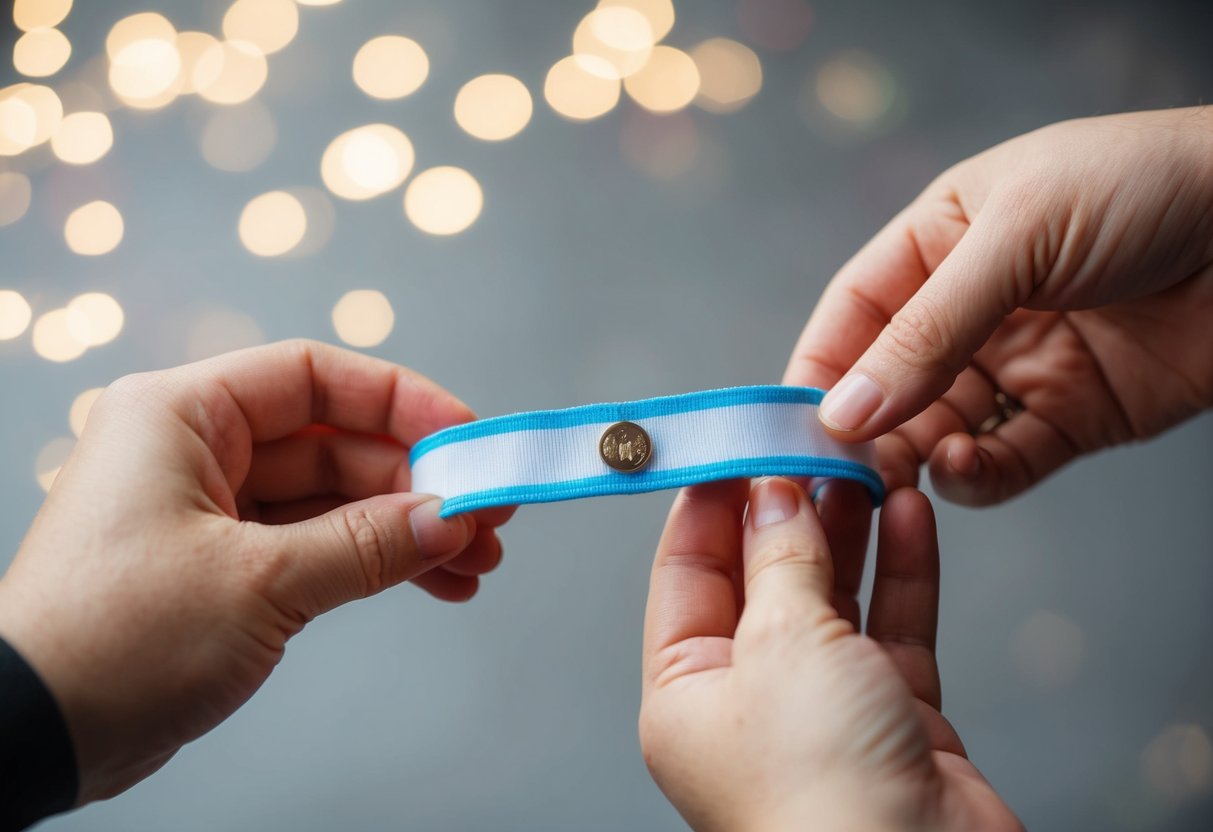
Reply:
x=625 y=447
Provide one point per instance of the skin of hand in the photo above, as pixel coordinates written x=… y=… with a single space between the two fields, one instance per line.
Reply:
x=1072 y=267
x=207 y=513
x=763 y=707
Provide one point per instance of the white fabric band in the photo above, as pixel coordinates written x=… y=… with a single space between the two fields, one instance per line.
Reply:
x=551 y=455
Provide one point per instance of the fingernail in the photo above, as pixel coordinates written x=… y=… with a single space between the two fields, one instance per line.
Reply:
x=964 y=461
x=773 y=501
x=435 y=537
x=851 y=403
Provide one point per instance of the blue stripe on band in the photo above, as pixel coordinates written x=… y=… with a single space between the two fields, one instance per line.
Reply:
x=618 y=412
x=618 y=483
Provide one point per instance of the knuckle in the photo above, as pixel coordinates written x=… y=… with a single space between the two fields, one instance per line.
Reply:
x=130 y=392
x=775 y=625
x=784 y=552
x=918 y=335
x=131 y=386
x=266 y=563
x=780 y=628
x=1017 y=196
x=303 y=345
x=373 y=547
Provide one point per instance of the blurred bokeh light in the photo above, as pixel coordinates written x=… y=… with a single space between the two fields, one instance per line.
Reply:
x=15 y=194
x=659 y=14
x=230 y=72
x=239 y=138
x=272 y=224
x=363 y=318
x=443 y=200
x=94 y=229
x=618 y=37
x=390 y=66
x=77 y=415
x=54 y=339
x=582 y=87
x=29 y=115
x=83 y=138
x=94 y=318
x=50 y=459
x=730 y=74
x=15 y=314
x=367 y=161
x=41 y=52
x=854 y=87
x=36 y=14
x=540 y=204
x=1178 y=763
x=269 y=25
x=668 y=81
x=493 y=107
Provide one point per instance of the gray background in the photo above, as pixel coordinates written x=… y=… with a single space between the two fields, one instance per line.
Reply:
x=1076 y=624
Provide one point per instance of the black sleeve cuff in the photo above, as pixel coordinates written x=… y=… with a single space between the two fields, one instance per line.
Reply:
x=37 y=760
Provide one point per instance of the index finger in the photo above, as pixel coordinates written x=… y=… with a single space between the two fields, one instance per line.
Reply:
x=867 y=291
x=268 y=392
x=281 y=388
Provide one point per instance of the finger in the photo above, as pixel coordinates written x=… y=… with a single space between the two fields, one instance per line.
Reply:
x=940 y=733
x=934 y=335
x=322 y=460
x=788 y=569
x=995 y=466
x=898 y=461
x=969 y=402
x=447 y=586
x=295 y=511
x=872 y=286
x=905 y=594
x=492 y=518
x=266 y=393
x=482 y=555
x=966 y=405
x=691 y=593
x=360 y=549
x=845 y=509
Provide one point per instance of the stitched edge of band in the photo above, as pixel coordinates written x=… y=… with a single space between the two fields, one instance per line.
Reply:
x=617 y=412
x=618 y=483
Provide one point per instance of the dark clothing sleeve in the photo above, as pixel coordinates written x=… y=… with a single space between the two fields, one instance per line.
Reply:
x=37 y=760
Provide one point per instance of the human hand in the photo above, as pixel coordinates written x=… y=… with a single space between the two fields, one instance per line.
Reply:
x=207 y=513
x=763 y=708
x=1070 y=268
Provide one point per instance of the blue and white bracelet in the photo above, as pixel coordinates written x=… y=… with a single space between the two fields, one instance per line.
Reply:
x=632 y=447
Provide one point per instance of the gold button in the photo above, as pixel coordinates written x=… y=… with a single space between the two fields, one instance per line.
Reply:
x=625 y=447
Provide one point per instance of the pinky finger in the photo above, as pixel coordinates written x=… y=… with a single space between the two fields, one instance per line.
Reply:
x=447 y=586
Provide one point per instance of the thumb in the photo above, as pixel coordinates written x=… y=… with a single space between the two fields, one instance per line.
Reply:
x=934 y=335
x=362 y=548
x=786 y=560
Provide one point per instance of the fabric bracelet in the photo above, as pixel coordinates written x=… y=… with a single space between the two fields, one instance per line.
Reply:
x=633 y=447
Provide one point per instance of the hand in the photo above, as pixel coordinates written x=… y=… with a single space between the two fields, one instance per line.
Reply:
x=1071 y=268
x=763 y=708
x=208 y=513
